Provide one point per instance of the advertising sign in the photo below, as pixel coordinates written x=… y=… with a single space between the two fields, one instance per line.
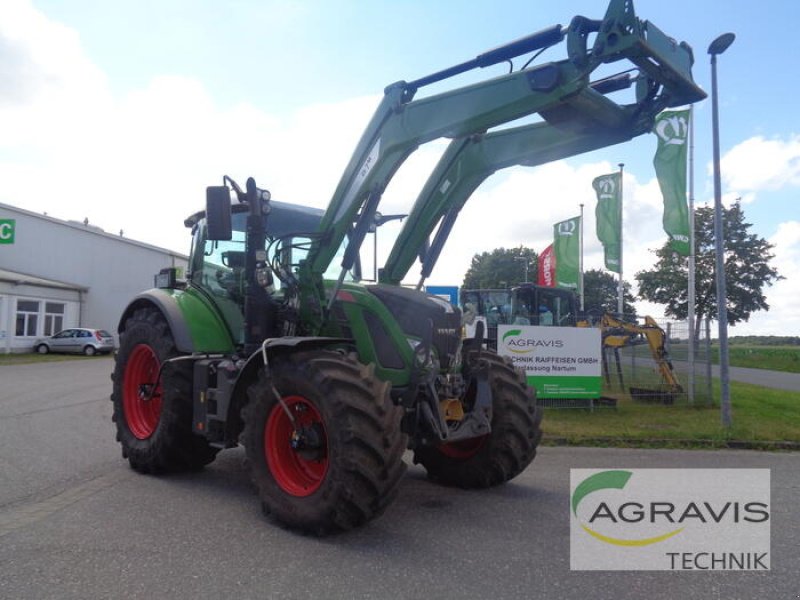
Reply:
x=560 y=362
x=7 y=227
x=448 y=292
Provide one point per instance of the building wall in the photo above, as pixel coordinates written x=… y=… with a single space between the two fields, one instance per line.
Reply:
x=46 y=322
x=104 y=271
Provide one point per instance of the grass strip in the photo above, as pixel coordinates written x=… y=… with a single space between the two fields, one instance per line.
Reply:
x=762 y=418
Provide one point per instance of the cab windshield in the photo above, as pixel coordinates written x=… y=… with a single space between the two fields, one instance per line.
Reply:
x=218 y=266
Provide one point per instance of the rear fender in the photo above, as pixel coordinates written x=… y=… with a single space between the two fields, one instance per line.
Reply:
x=195 y=325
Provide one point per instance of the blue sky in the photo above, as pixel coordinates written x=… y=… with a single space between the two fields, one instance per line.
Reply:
x=122 y=112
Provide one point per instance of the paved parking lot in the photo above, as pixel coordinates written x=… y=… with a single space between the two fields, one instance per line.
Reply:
x=76 y=522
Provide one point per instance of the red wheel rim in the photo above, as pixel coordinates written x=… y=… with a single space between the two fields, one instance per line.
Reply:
x=141 y=414
x=464 y=449
x=295 y=473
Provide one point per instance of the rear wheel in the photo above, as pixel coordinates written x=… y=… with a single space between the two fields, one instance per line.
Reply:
x=329 y=456
x=89 y=351
x=154 y=424
x=504 y=453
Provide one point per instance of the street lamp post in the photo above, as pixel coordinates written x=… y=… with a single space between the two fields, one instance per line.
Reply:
x=525 y=260
x=717 y=47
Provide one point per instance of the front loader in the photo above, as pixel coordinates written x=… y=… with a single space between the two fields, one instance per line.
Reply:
x=326 y=382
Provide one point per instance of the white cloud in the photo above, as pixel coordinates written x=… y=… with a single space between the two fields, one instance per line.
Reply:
x=783 y=317
x=141 y=161
x=758 y=163
x=519 y=207
x=50 y=88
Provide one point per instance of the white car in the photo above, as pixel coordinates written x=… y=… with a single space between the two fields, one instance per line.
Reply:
x=77 y=340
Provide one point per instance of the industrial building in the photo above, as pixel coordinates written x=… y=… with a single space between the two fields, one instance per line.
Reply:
x=58 y=274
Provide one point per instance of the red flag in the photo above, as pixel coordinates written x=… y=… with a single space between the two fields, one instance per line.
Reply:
x=547 y=267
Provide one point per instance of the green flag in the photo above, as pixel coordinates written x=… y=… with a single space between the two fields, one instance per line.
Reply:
x=567 y=248
x=608 y=215
x=672 y=128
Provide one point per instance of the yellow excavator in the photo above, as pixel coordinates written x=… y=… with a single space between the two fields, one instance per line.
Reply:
x=617 y=333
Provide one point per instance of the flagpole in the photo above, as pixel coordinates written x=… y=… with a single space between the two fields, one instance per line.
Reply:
x=691 y=291
x=620 y=305
x=580 y=262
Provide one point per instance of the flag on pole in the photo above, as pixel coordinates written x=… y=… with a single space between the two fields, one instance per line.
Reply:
x=566 y=249
x=547 y=267
x=672 y=128
x=608 y=215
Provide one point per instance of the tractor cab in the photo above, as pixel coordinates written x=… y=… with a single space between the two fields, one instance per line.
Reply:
x=544 y=306
x=526 y=304
x=218 y=263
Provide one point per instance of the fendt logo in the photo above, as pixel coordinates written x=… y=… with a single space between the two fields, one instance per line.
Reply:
x=515 y=342
x=670 y=519
x=673 y=130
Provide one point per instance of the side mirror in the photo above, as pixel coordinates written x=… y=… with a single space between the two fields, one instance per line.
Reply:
x=218 y=213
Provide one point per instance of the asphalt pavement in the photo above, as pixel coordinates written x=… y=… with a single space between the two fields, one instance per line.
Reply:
x=76 y=522
x=771 y=379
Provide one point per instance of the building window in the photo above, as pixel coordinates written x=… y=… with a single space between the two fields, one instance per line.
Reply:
x=53 y=317
x=27 y=318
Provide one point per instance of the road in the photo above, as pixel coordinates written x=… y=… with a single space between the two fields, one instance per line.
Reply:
x=771 y=379
x=76 y=522
x=779 y=380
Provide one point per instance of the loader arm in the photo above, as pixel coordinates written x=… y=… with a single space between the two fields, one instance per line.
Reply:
x=464 y=166
x=400 y=123
x=575 y=124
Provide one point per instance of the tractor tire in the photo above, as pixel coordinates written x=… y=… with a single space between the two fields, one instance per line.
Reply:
x=503 y=453
x=155 y=434
x=350 y=470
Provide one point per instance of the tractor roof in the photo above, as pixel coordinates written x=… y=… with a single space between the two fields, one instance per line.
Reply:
x=283 y=218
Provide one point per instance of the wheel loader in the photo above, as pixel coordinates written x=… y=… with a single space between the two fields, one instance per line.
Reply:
x=272 y=343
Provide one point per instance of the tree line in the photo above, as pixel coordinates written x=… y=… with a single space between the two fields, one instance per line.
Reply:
x=747 y=270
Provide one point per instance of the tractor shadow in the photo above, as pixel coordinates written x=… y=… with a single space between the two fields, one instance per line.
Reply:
x=420 y=518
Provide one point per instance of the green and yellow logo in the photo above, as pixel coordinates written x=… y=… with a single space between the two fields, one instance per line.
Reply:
x=515 y=342
x=510 y=339
x=610 y=480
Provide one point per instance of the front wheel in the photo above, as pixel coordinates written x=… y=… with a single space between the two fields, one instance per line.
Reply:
x=42 y=349
x=154 y=414
x=507 y=450
x=326 y=455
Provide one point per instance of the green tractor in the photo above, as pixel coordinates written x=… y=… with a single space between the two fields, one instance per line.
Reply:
x=271 y=341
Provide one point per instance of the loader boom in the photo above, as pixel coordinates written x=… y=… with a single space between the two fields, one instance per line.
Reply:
x=464 y=166
x=560 y=91
x=573 y=124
